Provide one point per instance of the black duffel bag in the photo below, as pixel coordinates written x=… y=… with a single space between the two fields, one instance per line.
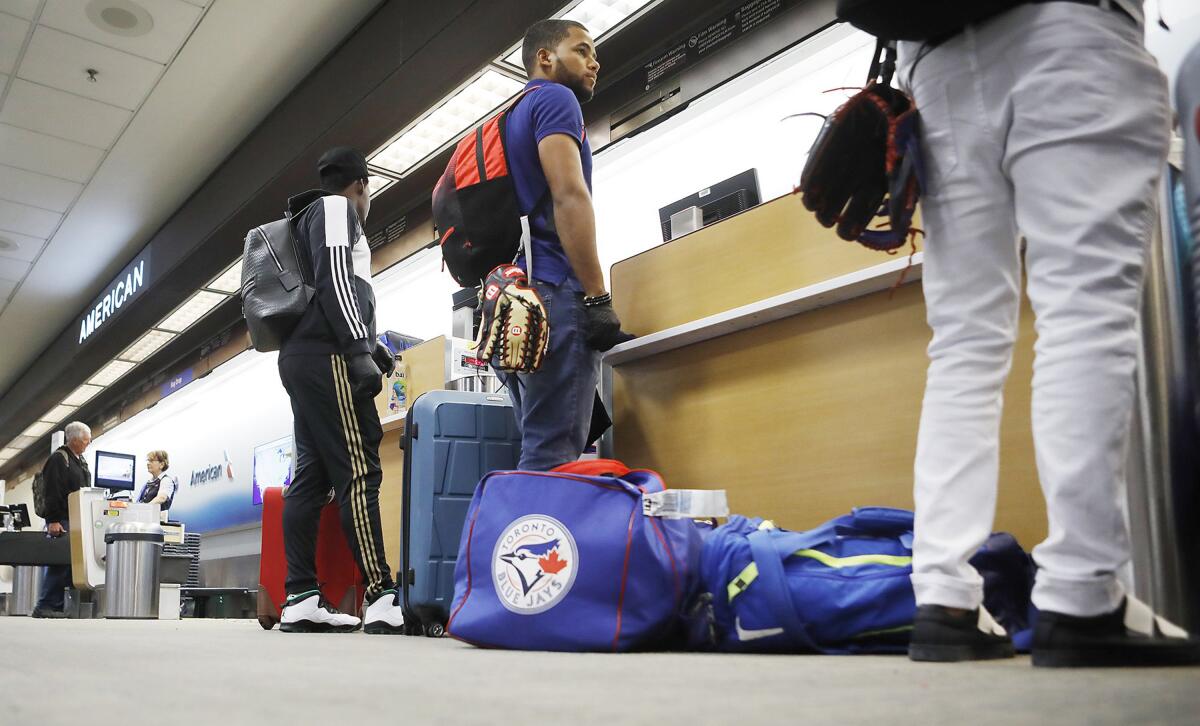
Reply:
x=927 y=20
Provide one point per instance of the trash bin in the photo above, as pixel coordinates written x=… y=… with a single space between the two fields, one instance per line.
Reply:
x=131 y=570
x=27 y=586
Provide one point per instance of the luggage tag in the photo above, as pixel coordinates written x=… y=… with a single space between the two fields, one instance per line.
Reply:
x=686 y=504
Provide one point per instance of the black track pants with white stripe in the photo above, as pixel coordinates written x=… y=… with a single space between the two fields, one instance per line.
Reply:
x=337 y=447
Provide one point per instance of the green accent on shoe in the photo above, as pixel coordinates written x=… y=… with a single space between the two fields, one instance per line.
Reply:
x=302 y=595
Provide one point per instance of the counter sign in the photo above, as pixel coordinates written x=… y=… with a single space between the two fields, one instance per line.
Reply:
x=132 y=280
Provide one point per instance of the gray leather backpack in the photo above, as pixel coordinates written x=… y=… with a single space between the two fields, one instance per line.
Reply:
x=276 y=287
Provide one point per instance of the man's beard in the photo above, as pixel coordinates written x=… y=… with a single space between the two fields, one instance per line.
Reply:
x=581 y=91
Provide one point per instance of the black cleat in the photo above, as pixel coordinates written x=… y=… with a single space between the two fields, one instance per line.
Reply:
x=1130 y=636
x=945 y=635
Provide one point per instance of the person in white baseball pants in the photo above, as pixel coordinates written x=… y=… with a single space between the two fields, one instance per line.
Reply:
x=1051 y=122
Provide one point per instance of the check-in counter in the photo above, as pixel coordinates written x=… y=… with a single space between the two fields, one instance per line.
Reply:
x=777 y=361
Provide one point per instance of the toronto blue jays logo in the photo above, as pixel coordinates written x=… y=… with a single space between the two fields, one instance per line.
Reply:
x=534 y=564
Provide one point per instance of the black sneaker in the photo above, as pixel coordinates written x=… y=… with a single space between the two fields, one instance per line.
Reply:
x=308 y=612
x=944 y=635
x=1131 y=635
x=48 y=613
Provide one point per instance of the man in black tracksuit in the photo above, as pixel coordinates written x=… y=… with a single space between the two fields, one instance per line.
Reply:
x=331 y=366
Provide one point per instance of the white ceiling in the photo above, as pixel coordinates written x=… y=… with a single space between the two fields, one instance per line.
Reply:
x=89 y=170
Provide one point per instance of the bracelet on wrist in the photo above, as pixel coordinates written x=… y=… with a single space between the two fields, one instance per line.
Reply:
x=598 y=300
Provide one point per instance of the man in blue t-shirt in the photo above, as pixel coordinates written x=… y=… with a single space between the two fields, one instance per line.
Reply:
x=550 y=161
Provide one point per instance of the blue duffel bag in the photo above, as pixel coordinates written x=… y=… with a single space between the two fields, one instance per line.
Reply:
x=840 y=588
x=567 y=560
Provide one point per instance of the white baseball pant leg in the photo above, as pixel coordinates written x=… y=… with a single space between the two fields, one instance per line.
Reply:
x=1051 y=121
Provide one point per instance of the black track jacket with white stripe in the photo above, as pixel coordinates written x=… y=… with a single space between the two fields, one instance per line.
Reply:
x=341 y=317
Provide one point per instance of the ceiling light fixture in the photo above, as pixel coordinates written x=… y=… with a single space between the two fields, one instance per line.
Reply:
x=452 y=116
x=120 y=17
x=146 y=346
x=110 y=373
x=82 y=395
x=196 y=307
x=229 y=281
x=56 y=414
x=37 y=428
x=376 y=184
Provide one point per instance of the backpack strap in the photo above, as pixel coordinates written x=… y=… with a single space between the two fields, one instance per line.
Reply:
x=526 y=247
x=774 y=587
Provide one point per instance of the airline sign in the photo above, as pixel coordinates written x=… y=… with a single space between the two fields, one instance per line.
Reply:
x=127 y=285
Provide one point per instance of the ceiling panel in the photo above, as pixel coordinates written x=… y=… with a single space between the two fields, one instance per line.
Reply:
x=170 y=22
x=38 y=190
x=6 y=288
x=27 y=220
x=58 y=113
x=12 y=36
x=13 y=270
x=21 y=8
x=32 y=151
x=61 y=61
x=20 y=246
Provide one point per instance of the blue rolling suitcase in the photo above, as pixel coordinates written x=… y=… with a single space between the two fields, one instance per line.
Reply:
x=451 y=439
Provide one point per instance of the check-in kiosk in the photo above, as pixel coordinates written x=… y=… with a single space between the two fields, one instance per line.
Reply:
x=93 y=514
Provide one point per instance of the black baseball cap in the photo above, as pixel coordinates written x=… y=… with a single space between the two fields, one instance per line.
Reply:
x=344 y=162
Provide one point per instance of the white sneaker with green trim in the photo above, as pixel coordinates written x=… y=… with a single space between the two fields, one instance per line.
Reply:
x=309 y=613
x=385 y=616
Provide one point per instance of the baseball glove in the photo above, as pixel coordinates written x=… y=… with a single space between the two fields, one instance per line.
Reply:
x=514 y=330
x=865 y=164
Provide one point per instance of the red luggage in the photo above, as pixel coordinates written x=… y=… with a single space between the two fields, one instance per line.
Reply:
x=341 y=582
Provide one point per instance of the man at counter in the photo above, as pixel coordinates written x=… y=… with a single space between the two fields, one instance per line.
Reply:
x=550 y=161
x=64 y=472
x=330 y=366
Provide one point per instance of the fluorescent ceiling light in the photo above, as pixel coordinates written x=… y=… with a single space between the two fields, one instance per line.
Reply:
x=450 y=118
x=598 y=16
x=56 y=414
x=376 y=184
x=196 y=307
x=38 y=428
x=147 y=345
x=229 y=281
x=111 y=372
x=82 y=395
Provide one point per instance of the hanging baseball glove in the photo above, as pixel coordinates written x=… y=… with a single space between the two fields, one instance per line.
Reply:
x=865 y=164
x=514 y=330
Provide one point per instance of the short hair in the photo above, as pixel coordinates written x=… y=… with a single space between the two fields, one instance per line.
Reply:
x=77 y=430
x=160 y=455
x=545 y=34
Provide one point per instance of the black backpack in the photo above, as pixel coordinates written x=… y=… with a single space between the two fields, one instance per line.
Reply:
x=276 y=288
x=475 y=209
x=927 y=20
x=39 y=486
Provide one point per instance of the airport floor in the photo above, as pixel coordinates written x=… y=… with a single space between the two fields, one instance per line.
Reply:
x=220 y=672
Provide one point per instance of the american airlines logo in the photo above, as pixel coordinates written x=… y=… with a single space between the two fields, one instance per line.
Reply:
x=130 y=282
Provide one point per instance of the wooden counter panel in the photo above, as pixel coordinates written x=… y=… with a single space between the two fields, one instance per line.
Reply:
x=772 y=249
x=391 y=497
x=805 y=418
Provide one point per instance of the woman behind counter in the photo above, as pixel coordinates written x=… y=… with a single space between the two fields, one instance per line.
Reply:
x=162 y=486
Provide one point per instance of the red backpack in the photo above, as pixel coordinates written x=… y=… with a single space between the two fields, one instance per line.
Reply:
x=475 y=210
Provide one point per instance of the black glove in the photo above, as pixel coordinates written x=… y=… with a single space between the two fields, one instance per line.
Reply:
x=365 y=378
x=602 y=327
x=384 y=359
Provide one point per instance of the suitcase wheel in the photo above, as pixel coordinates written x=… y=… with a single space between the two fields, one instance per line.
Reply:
x=434 y=630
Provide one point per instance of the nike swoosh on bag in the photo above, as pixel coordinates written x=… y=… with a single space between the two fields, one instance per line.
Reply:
x=745 y=635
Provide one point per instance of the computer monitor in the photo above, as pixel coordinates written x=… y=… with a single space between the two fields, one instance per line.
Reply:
x=723 y=199
x=274 y=466
x=115 y=471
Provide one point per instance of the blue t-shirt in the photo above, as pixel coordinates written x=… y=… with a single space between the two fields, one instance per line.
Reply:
x=552 y=109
